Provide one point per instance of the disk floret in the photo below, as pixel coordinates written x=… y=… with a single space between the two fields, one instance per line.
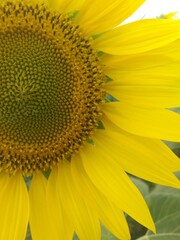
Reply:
x=51 y=88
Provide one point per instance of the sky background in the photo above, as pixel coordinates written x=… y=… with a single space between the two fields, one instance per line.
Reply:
x=154 y=8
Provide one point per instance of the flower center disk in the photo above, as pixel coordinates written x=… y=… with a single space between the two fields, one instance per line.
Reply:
x=51 y=88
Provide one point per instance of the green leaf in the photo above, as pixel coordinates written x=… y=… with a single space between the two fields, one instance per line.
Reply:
x=165 y=200
x=141 y=185
x=164 y=204
x=162 y=236
x=174 y=146
x=28 y=234
x=106 y=235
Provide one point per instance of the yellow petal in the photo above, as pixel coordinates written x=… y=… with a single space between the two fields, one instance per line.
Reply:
x=153 y=123
x=112 y=181
x=170 y=15
x=73 y=5
x=84 y=218
x=144 y=61
x=159 y=67
x=4 y=178
x=14 y=208
x=143 y=71
x=165 y=55
x=60 y=223
x=152 y=76
x=149 y=159
x=144 y=95
x=39 y=218
x=110 y=215
x=99 y=16
x=65 y=6
x=138 y=37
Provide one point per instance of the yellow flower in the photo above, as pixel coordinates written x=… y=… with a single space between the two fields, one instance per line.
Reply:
x=85 y=102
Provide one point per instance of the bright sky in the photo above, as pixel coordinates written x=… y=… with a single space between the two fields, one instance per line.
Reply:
x=154 y=8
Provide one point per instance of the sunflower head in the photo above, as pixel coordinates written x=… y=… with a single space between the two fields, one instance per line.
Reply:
x=89 y=99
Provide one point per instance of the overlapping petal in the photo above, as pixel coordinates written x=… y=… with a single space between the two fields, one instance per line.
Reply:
x=61 y=224
x=148 y=122
x=160 y=57
x=100 y=16
x=155 y=68
x=41 y=228
x=146 y=95
x=14 y=207
x=111 y=180
x=146 y=158
x=138 y=37
x=79 y=212
x=110 y=215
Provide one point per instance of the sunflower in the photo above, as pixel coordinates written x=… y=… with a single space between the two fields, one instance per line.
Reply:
x=84 y=102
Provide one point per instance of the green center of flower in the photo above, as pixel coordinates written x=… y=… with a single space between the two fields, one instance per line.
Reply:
x=50 y=91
